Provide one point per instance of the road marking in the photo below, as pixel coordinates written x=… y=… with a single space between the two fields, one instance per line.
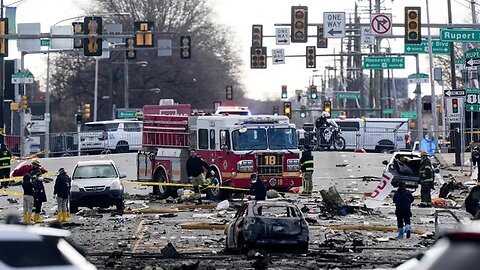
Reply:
x=139 y=234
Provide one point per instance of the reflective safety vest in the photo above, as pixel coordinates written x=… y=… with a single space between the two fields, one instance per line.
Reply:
x=5 y=158
x=426 y=172
x=307 y=165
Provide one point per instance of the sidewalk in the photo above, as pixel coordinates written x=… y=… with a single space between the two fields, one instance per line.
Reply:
x=448 y=161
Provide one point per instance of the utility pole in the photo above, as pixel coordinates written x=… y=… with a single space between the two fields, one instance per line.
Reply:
x=2 y=87
x=418 y=92
x=432 y=81
x=377 y=73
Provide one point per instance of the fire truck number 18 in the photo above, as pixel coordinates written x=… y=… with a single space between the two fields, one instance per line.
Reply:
x=270 y=160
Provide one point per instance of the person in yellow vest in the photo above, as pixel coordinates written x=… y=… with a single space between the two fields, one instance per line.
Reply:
x=5 y=158
x=306 y=163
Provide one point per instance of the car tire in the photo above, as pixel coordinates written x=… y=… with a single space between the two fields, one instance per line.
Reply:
x=216 y=194
x=161 y=191
x=122 y=147
x=120 y=206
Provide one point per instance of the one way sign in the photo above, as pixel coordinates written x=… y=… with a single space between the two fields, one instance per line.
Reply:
x=278 y=56
x=472 y=62
x=282 y=36
x=454 y=93
x=334 y=24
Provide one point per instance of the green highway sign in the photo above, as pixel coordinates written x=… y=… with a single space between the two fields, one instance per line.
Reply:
x=411 y=115
x=388 y=111
x=418 y=78
x=459 y=35
x=380 y=62
x=472 y=100
x=22 y=77
x=348 y=95
x=460 y=63
x=336 y=114
x=472 y=107
x=126 y=114
x=438 y=47
x=44 y=42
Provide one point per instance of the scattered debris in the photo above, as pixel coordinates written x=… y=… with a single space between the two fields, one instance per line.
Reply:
x=272 y=194
x=89 y=213
x=170 y=252
x=203 y=226
x=12 y=201
x=341 y=165
x=223 y=205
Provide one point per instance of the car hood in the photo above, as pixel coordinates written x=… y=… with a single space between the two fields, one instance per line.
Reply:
x=94 y=182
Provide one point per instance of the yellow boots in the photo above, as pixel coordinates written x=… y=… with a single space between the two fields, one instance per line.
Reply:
x=63 y=216
x=27 y=219
x=36 y=218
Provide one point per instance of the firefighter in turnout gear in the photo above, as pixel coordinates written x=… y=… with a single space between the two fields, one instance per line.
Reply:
x=306 y=163
x=426 y=180
x=5 y=157
x=195 y=172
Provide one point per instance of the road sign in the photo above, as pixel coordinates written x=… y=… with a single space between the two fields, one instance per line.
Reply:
x=348 y=95
x=278 y=56
x=459 y=35
x=127 y=114
x=472 y=100
x=282 y=36
x=411 y=115
x=367 y=36
x=418 y=78
x=22 y=77
x=381 y=24
x=334 y=24
x=455 y=107
x=472 y=58
x=380 y=62
x=460 y=63
x=438 y=47
x=388 y=111
x=454 y=93
x=44 y=42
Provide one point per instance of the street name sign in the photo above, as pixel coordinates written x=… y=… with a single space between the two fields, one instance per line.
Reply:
x=126 y=114
x=381 y=24
x=380 y=62
x=472 y=100
x=472 y=58
x=454 y=93
x=455 y=107
x=367 y=36
x=278 y=56
x=418 y=78
x=22 y=77
x=348 y=95
x=334 y=24
x=411 y=115
x=44 y=42
x=460 y=63
x=282 y=36
x=438 y=47
x=459 y=35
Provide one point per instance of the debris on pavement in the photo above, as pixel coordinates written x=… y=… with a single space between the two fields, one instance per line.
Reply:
x=12 y=201
x=223 y=205
x=272 y=194
x=170 y=252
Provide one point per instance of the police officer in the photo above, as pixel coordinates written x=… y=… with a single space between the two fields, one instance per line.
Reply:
x=306 y=163
x=195 y=172
x=62 y=192
x=426 y=179
x=5 y=157
x=39 y=195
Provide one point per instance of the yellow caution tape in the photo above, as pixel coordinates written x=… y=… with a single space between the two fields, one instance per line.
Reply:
x=20 y=178
x=13 y=193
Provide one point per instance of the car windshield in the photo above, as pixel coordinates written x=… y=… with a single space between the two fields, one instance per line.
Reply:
x=95 y=171
x=249 y=139
x=282 y=138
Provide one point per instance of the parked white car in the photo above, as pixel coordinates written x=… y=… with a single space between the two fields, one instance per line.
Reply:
x=117 y=135
x=29 y=247
x=96 y=183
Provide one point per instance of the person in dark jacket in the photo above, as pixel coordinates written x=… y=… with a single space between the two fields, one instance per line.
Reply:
x=195 y=172
x=257 y=188
x=27 y=199
x=426 y=180
x=5 y=158
x=62 y=191
x=306 y=163
x=472 y=201
x=476 y=160
x=39 y=195
x=403 y=200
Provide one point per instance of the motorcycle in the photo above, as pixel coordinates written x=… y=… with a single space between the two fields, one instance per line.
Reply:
x=332 y=136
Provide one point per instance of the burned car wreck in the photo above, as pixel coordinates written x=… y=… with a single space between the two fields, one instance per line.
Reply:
x=272 y=225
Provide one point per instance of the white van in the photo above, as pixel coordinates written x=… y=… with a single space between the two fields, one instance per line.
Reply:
x=375 y=134
x=120 y=136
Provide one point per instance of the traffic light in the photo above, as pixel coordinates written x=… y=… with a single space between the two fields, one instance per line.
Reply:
x=130 y=45
x=284 y=92
x=185 y=47
x=287 y=109
x=311 y=57
x=4 y=41
x=454 y=105
x=413 y=25
x=143 y=34
x=229 y=92
x=86 y=111
x=322 y=42
x=327 y=106
x=303 y=111
x=299 y=25
x=92 y=46
x=299 y=97
x=258 y=57
x=78 y=118
x=313 y=92
x=24 y=103
x=257 y=35
x=77 y=30
x=275 y=110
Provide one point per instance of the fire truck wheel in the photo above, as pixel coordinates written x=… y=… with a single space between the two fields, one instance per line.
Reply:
x=161 y=191
x=216 y=194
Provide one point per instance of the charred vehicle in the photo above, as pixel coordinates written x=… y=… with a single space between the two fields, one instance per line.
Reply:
x=274 y=225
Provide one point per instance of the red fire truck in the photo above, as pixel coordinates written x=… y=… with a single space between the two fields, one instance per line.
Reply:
x=235 y=146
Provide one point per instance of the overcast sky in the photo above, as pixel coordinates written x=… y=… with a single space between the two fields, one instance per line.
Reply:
x=239 y=15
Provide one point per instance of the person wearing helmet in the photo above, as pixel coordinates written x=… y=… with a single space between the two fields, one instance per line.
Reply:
x=321 y=124
x=306 y=165
x=426 y=179
x=27 y=168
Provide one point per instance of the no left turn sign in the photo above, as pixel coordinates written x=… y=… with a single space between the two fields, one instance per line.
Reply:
x=381 y=24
